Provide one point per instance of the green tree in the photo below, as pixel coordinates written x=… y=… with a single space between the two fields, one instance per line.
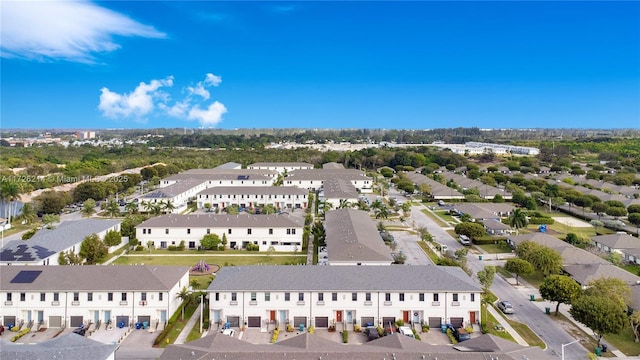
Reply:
x=210 y=242
x=602 y=315
x=28 y=213
x=470 y=229
x=92 y=249
x=185 y=296
x=53 y=202
x=560 y=288
x=128 y=225
x=547 y=260
x=599 y=208
x=113 y=209
x=616 y=211
x=112 y=238
x=486 y=276
x=88 y=207
x=634 y=321
x=131 y=208
x=519 y=267
x=518 y=219
x=382 y=213
x=69 y=258
x=633 y=208
x=634 y=218
x=612 y=288
x=49 y=219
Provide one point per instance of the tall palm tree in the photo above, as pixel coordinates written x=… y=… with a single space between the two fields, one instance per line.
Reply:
x=184 y=295
x=9 y=193
x=28 y=213
x=113 y=209
x=167 y=206
x=344 y=204
x=518 y=219
x=131 y=208
x=382 y=213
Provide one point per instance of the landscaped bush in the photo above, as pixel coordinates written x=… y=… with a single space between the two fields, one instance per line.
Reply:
x=22 y=333
x=425 y=328
x=345 y=336
x=451 y=337
x=541 y=221
x=139 y=248
x=274 y=337
x=415 y=334
x=380 y=330
x=487 y=240
x=399 y=323
x=311 y=330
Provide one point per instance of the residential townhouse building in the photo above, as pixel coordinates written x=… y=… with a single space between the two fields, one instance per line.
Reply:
x=338 y=191
x=281 y=197
x=314 y=179
x=70 y=296
x=280 y=232
x=344 y=296
x=281 y=167
x=229 y=177
x=46 y=245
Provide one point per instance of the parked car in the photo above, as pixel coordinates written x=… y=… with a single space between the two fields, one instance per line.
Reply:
x=386 y=237
x=228 y=332
x=80 y=331
x=406 y=331
x=464 y=240
x=506 y=307
x=461 y=334
x=372 y=333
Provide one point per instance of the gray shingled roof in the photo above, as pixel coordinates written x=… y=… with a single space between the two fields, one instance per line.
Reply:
x=95 y=278
x=339 y=189
x=48 y=242
x=332 y=165
x=282 y=164
x=173 y=189
x=326 y=174
x=222 y=220
x=254 y=190
x=69 y=346
x=342 y=278
x=618 y=241
x=351 y=235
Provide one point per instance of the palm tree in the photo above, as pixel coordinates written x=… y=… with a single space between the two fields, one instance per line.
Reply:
x=9 y=193
x=28 y=213
x=344 y=204
x=113 y=209
x=382 y=213
x=185 y=296
x=167 y=206
x=131 y=208
x=518 y=219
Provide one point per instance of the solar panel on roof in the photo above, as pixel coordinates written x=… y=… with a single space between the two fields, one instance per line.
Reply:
x=243 y=177
x=25 y=276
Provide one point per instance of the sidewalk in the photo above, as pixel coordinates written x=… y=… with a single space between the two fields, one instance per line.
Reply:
x=188 y=326
x=507 y=326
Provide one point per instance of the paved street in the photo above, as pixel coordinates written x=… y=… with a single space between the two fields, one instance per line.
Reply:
x=526 y=311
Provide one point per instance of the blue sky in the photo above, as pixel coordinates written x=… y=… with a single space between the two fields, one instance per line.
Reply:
x=414 y=65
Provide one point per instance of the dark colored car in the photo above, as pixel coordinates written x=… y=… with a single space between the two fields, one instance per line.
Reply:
x=461 y=334
x=372 y=333
x=80 y=331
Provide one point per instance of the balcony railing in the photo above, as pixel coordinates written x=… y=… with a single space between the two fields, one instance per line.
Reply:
x=55 y=303
x=300 y=302
x=455 y=303
x=75 y=303
x=253 y=302
x=124 y=302
x=8 y=303
x=388 y=303
x=368 y=303
x=233 y=303
x=435 y=303
x=320 y=303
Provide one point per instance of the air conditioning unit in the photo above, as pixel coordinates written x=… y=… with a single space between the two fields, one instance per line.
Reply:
x=143 y=303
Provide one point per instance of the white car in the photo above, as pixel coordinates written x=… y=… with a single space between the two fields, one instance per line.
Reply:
x=406 y=331
x=228 y=332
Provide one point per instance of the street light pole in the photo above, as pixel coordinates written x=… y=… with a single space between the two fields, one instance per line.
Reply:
x=567 y=344
x=201 y=307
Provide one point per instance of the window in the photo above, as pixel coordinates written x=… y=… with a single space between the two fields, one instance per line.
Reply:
x=401 y=296
x=387 y=297
x=76 y=296
x=188 y=231
x=436 y=297
x=354 y=296
x=293 y=231
x=160 y=296
x=288 y=231
x=253 y=296
x=143 y=296
x=89 y=296
x=208 y=231
x=248 y=231
x=123 y=296
x=455 y=297
x=367 y=297
x=473 y=297
x=144 y=231
x=192 y=244
x=421 y=297
x=56 y=296
x=166 y=231
x=287 y=296
x=334 y=296
x=234 y=296
x=109 y=296
x=217 y=296
x=229 y=231
x=9 y=296
x=149 y=231
x=43 y=296
x=270 y=231
x=300 y=296
x=267 y=296
x=320 y=296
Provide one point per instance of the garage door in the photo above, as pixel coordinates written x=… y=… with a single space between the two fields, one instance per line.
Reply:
x=76 y=321
x=122 y=319
x=322 y=322
x=9 y=320
x=435 y=322
x=234 y=321
x=388 y=320
x=143 y=319
x=366 y=321
x=253 y=321
x=457 y=322
x=297 y=320
x=55 y=321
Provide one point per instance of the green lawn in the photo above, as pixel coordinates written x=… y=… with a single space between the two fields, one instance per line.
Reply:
x=122 y=249
x=534 y=279
x=432 y=255
x=175 y=328
x=218 y=260
x=588 y=342
x=201 y=252
x=503 y=272
x=491 y=323
x=624 y=342
x=634 y=269
x=527 y=334
x=500 y=248
x=203 y=281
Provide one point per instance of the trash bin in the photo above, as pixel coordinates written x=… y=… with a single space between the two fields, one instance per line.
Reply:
x=443 y=328
x=301 y=327
x=532 y=297
x=480 y=257
x=138 y=325
x=598 y=352
x=121 y=324
x=145 y=325
x=604 y=347
x=547 y=310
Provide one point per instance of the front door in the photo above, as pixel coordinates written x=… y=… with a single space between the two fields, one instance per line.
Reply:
x=472 y=317
x=405 y=316
x=163 y=316
x=107 y=316
x=416 y=318
x=40 y=317
x=272 y=315
x=349 y=317
x=339 y=316
x=96 y=316
x=283 y=316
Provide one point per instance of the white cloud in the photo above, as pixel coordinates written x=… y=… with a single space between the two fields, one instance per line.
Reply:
x=213 y=80
x=210 y=116
x=138 y=103
x=68 y=30
x=146 y=98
